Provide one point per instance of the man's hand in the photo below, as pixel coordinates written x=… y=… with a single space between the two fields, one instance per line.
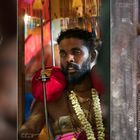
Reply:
x=32 y=128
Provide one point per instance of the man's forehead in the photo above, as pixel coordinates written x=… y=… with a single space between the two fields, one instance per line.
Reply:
x=71 y=42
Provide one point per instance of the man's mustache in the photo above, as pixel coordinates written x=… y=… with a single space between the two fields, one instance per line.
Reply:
x=72 y=65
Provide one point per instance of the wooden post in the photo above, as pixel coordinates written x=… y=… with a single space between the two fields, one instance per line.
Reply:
x=21 y=73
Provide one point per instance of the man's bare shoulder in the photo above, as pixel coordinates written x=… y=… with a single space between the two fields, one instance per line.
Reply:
x=58 y=101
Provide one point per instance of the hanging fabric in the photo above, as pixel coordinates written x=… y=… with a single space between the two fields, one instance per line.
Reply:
x=90 y=7
x=77 y=6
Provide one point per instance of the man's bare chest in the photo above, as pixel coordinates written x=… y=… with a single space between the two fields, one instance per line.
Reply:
x=58 y=108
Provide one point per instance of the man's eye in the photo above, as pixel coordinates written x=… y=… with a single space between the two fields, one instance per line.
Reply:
x=76 y=52
x=62 y=54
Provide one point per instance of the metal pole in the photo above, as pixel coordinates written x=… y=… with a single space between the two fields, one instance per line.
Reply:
x=43 y=77
x=51 y=38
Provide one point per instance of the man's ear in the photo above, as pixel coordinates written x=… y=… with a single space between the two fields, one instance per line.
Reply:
x=93 y=58
x=93 y=55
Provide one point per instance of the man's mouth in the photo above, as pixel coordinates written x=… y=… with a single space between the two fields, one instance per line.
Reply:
x=71 y=70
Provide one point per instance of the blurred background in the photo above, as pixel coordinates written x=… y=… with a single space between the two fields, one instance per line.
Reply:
x=125 y=70
x=8 y=72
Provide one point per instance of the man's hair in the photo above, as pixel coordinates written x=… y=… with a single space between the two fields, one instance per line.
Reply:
x=81 y=34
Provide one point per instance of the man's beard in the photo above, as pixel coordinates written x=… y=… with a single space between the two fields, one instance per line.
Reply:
x=79 y=74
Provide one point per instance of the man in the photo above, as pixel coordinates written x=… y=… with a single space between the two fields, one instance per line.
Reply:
x=75 y=112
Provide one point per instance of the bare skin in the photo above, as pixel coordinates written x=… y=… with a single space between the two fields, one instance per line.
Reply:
x=59 y=108
x=72 y=50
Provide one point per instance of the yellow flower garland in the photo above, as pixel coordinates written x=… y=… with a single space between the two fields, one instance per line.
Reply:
x=82 y=118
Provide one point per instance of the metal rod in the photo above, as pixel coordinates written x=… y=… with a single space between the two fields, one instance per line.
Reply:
x=51 y=37
x=43 y=76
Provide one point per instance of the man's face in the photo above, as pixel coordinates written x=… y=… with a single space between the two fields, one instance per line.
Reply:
x=74 y=57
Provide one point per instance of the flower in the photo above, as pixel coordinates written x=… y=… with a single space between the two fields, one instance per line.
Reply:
x=87 y=127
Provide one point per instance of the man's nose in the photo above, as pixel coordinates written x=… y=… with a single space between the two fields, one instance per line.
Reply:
x=70 y=58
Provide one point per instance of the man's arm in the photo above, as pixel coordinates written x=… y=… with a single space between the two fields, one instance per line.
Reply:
x=33 y=126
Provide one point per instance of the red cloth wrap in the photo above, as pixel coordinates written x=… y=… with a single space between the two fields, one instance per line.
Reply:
x=97 y=82
x=55 y=85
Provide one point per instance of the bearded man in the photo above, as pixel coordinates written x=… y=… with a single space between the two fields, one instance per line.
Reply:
x=73 y=102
